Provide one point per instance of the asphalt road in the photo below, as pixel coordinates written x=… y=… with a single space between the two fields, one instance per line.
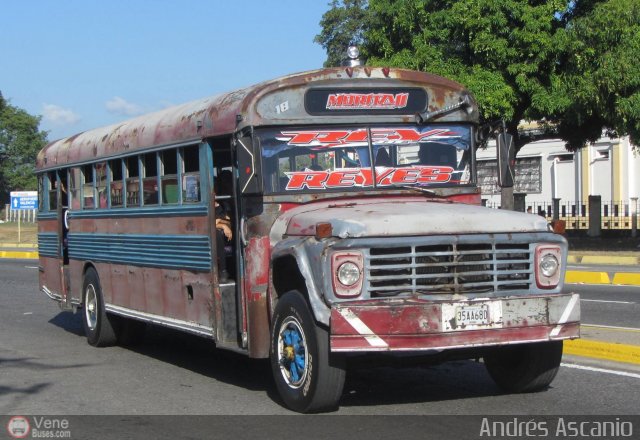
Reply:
x=46 y=367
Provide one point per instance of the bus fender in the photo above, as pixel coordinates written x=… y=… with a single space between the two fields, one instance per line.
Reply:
x=304 y=250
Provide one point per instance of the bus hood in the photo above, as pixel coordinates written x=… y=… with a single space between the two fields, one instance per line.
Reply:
x=402 y=217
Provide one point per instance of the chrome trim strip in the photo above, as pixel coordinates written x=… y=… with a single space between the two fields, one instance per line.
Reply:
x=50 y=294
x=190 y=327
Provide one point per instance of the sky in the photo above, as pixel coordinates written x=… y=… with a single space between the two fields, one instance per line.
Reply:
x=82 y=64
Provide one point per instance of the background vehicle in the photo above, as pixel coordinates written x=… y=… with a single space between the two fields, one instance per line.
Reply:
x=357 y=230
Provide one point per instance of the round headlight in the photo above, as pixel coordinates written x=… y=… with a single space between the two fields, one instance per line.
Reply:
x=348 y=274
x=549 y=265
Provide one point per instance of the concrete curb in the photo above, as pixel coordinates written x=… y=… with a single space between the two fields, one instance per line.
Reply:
x=629 y=354
x=20 y=255
x=587 y=277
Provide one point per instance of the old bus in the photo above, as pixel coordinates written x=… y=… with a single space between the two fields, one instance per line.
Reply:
x=356 y=229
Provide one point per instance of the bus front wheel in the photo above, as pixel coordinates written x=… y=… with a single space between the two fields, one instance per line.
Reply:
x=307 y=377
x=524 y=368
x=99 y=327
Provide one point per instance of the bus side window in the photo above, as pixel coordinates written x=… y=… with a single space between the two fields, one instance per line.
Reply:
x=101 y=184
x=191 y=176
x=88 y=192
x=75 y=181
x=133 y=181
x=150 y=181
x=51 y=187
x=169 y=176
x=115 y=167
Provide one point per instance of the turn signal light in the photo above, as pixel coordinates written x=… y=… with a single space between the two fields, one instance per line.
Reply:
x=323 y=230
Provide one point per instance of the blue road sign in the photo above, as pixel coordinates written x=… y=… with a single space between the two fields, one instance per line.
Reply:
x=23 y=200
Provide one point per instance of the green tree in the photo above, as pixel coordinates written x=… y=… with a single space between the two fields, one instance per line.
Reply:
x=566 y=64
x=342 y=25
x=600 y=75
x=20 y=141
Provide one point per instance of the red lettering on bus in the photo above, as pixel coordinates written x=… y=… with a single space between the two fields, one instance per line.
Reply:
x=328 y=139
x=308 y=179
x=343 y=179
x=357 y=101
x=364 y=177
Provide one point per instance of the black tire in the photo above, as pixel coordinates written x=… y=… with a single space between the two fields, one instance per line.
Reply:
x=524 y=368
x=100 y=327
x=320 y=376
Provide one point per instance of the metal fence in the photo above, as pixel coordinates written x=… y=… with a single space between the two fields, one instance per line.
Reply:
x=24 y=215
x=613 y=214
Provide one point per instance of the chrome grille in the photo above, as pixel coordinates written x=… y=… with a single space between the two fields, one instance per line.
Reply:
x=448 y=268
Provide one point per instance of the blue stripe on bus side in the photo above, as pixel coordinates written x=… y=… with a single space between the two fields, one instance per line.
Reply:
x=154 y=211
x=166 y=251
x=52 y=215
x=157 y=211
x=48 y=244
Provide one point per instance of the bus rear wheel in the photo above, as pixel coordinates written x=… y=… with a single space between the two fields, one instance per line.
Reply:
x=99 y=326
x=524 y=368
x=307 y=377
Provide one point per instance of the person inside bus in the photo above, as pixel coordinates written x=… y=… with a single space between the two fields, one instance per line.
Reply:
x=224 y=230
x=382 y=158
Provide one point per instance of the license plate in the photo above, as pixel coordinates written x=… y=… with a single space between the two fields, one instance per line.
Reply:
x=472 y=315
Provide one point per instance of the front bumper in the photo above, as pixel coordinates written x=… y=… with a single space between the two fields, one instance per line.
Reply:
x=417 y=324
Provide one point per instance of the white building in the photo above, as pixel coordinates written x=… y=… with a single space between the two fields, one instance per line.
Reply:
x=545 y=170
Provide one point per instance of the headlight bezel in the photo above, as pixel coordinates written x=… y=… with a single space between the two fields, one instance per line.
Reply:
x=548 y=278
x=352 y=261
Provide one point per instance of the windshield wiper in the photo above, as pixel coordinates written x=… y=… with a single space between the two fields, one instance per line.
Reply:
x=421 y=190
x=464 y=102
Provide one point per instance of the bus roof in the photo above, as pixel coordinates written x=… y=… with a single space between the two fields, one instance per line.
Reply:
x=227 y=113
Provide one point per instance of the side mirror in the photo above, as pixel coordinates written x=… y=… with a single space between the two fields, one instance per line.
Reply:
x=249 y=176
x=506 y=159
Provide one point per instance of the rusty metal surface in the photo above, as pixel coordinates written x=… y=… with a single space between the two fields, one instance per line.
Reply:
x=423 y=324
x=257 y=259
x=354 y=218
x=447 y=341
x=229 y=112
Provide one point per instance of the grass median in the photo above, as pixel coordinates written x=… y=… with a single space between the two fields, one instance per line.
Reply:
x=9 y=233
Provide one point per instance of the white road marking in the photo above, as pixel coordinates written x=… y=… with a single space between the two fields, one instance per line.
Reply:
x=612 y=327
x=362 y=328
x=31 y=267
x=601 y=370
x=607 y=301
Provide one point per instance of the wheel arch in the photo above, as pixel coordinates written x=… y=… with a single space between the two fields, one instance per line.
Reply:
x=85 y=268
x=291 y=270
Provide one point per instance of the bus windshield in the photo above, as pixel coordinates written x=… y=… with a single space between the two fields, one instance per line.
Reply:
x=339 y=158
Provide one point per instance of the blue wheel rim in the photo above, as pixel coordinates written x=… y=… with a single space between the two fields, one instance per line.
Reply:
x=292 y=352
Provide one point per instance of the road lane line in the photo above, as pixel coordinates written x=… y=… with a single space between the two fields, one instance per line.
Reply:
x=607 y=301
x=601 y=370
x=612 y=327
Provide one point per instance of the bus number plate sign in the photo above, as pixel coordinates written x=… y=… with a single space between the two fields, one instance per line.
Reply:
x=466 y=315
